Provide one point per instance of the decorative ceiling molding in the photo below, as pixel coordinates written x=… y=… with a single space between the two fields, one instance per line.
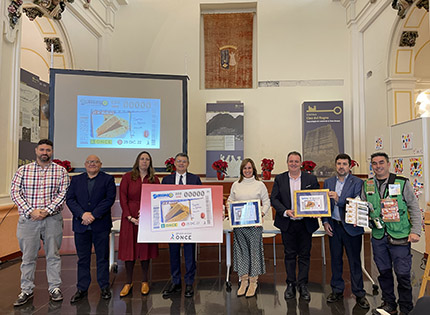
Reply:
x=14 y=13
x=401 y=6
x=49 y=8
x=408 y=38
x=58 y=47
x=13 y=16
x=423 y=4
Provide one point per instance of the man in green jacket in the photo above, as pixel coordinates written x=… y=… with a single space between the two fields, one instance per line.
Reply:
x=396 y=223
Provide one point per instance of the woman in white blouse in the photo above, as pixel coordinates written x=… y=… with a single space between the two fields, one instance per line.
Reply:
x=248 y=253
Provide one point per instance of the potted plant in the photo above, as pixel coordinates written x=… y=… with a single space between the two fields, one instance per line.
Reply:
x=220 y=167
x=267 y=167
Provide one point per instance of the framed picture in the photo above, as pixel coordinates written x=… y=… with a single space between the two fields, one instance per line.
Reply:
x=312 y=203
x=245 y=213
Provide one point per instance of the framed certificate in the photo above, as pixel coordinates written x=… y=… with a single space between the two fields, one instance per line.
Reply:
x=312 y=203
x=245 y=213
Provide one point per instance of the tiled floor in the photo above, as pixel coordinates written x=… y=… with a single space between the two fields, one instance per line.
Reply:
x=211 y=296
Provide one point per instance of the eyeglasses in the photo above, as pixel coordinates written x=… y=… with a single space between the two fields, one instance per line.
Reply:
x=92 y=162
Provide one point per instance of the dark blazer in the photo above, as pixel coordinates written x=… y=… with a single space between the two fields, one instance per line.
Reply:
x=282 y=200
x=191 y=179
x=351 y=189
x=189 y=248
x=102 y=199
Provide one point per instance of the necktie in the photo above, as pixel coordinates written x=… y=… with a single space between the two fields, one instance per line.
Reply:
x=180 y=180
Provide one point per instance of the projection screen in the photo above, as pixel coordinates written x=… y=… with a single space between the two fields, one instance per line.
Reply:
x=117 y=115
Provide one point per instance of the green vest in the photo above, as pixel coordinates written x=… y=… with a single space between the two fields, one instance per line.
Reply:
x=394 y=229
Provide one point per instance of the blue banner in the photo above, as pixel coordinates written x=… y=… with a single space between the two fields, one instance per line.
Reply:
x=323 y=135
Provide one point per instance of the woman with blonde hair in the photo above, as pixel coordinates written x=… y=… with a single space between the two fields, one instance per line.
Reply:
x=248 y=256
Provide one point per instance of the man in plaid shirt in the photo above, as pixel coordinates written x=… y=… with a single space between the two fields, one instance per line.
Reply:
x=39 y=190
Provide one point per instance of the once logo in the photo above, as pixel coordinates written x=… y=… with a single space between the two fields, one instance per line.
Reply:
x=183 y=237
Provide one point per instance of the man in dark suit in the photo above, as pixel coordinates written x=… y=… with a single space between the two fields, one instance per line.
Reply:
x=90 y=198
x=182 y=177
x=296 y=232
x=343 y=235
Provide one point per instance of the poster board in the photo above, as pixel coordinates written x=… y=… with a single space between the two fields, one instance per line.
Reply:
x=409 y=158
x=181 y=214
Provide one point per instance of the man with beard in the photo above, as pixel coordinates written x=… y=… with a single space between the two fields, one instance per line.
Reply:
x=343 y=235
x=39 y=190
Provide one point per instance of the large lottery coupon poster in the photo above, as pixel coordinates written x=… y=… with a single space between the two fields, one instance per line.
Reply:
x=181 y=214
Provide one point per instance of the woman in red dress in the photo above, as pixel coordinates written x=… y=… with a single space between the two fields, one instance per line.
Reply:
x=129 y=250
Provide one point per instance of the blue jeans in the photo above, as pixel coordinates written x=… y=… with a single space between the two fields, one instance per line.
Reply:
x=29 y=234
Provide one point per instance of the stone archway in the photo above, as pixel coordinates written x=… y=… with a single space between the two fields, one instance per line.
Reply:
x=36 y=37
x=408 y=67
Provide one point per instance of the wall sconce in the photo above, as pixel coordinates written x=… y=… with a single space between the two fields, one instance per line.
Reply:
x=423 y=103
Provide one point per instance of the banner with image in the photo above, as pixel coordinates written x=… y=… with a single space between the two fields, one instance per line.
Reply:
x=224 y=136
x=323 y=135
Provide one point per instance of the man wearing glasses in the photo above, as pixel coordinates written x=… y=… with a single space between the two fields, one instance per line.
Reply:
x=90 y=198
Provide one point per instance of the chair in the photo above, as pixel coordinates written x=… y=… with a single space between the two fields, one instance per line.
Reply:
x=269 y=218
x=321 y=233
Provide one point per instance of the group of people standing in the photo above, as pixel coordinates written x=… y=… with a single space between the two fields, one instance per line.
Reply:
x=40 y=188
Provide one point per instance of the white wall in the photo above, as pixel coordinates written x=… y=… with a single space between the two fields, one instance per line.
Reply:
x=376 y=43
x=296 y=40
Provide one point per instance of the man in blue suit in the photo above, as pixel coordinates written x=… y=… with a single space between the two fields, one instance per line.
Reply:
x=182 y=177
x=90 y=198
x=296 y=232
x=343 y=235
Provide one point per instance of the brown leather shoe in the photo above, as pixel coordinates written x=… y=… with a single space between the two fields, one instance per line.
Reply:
x=145 y=288
x=126 y=289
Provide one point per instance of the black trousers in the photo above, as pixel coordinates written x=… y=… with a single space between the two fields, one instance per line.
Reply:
x=297 y=249
x=352 y=244
x=190 y=262
x=84 y=242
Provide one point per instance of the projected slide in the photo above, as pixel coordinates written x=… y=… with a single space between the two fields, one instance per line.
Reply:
x=118 y=122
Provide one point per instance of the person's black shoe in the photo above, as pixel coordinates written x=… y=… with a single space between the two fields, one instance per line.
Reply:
x=106 y=294
x=189 y=292
x=23 y=298
x=363 y=302
x=290 y=292
x=304 y=292
x=56 y=295
x=334 y=297
x=79 y=295
x=172 y=289
x=390 y=309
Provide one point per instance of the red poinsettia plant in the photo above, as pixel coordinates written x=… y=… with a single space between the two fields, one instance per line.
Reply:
x=170 y=164
x=354 y=163
x=267 y=164
x=66 y=164
x=220 y=166
x=308 y=166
